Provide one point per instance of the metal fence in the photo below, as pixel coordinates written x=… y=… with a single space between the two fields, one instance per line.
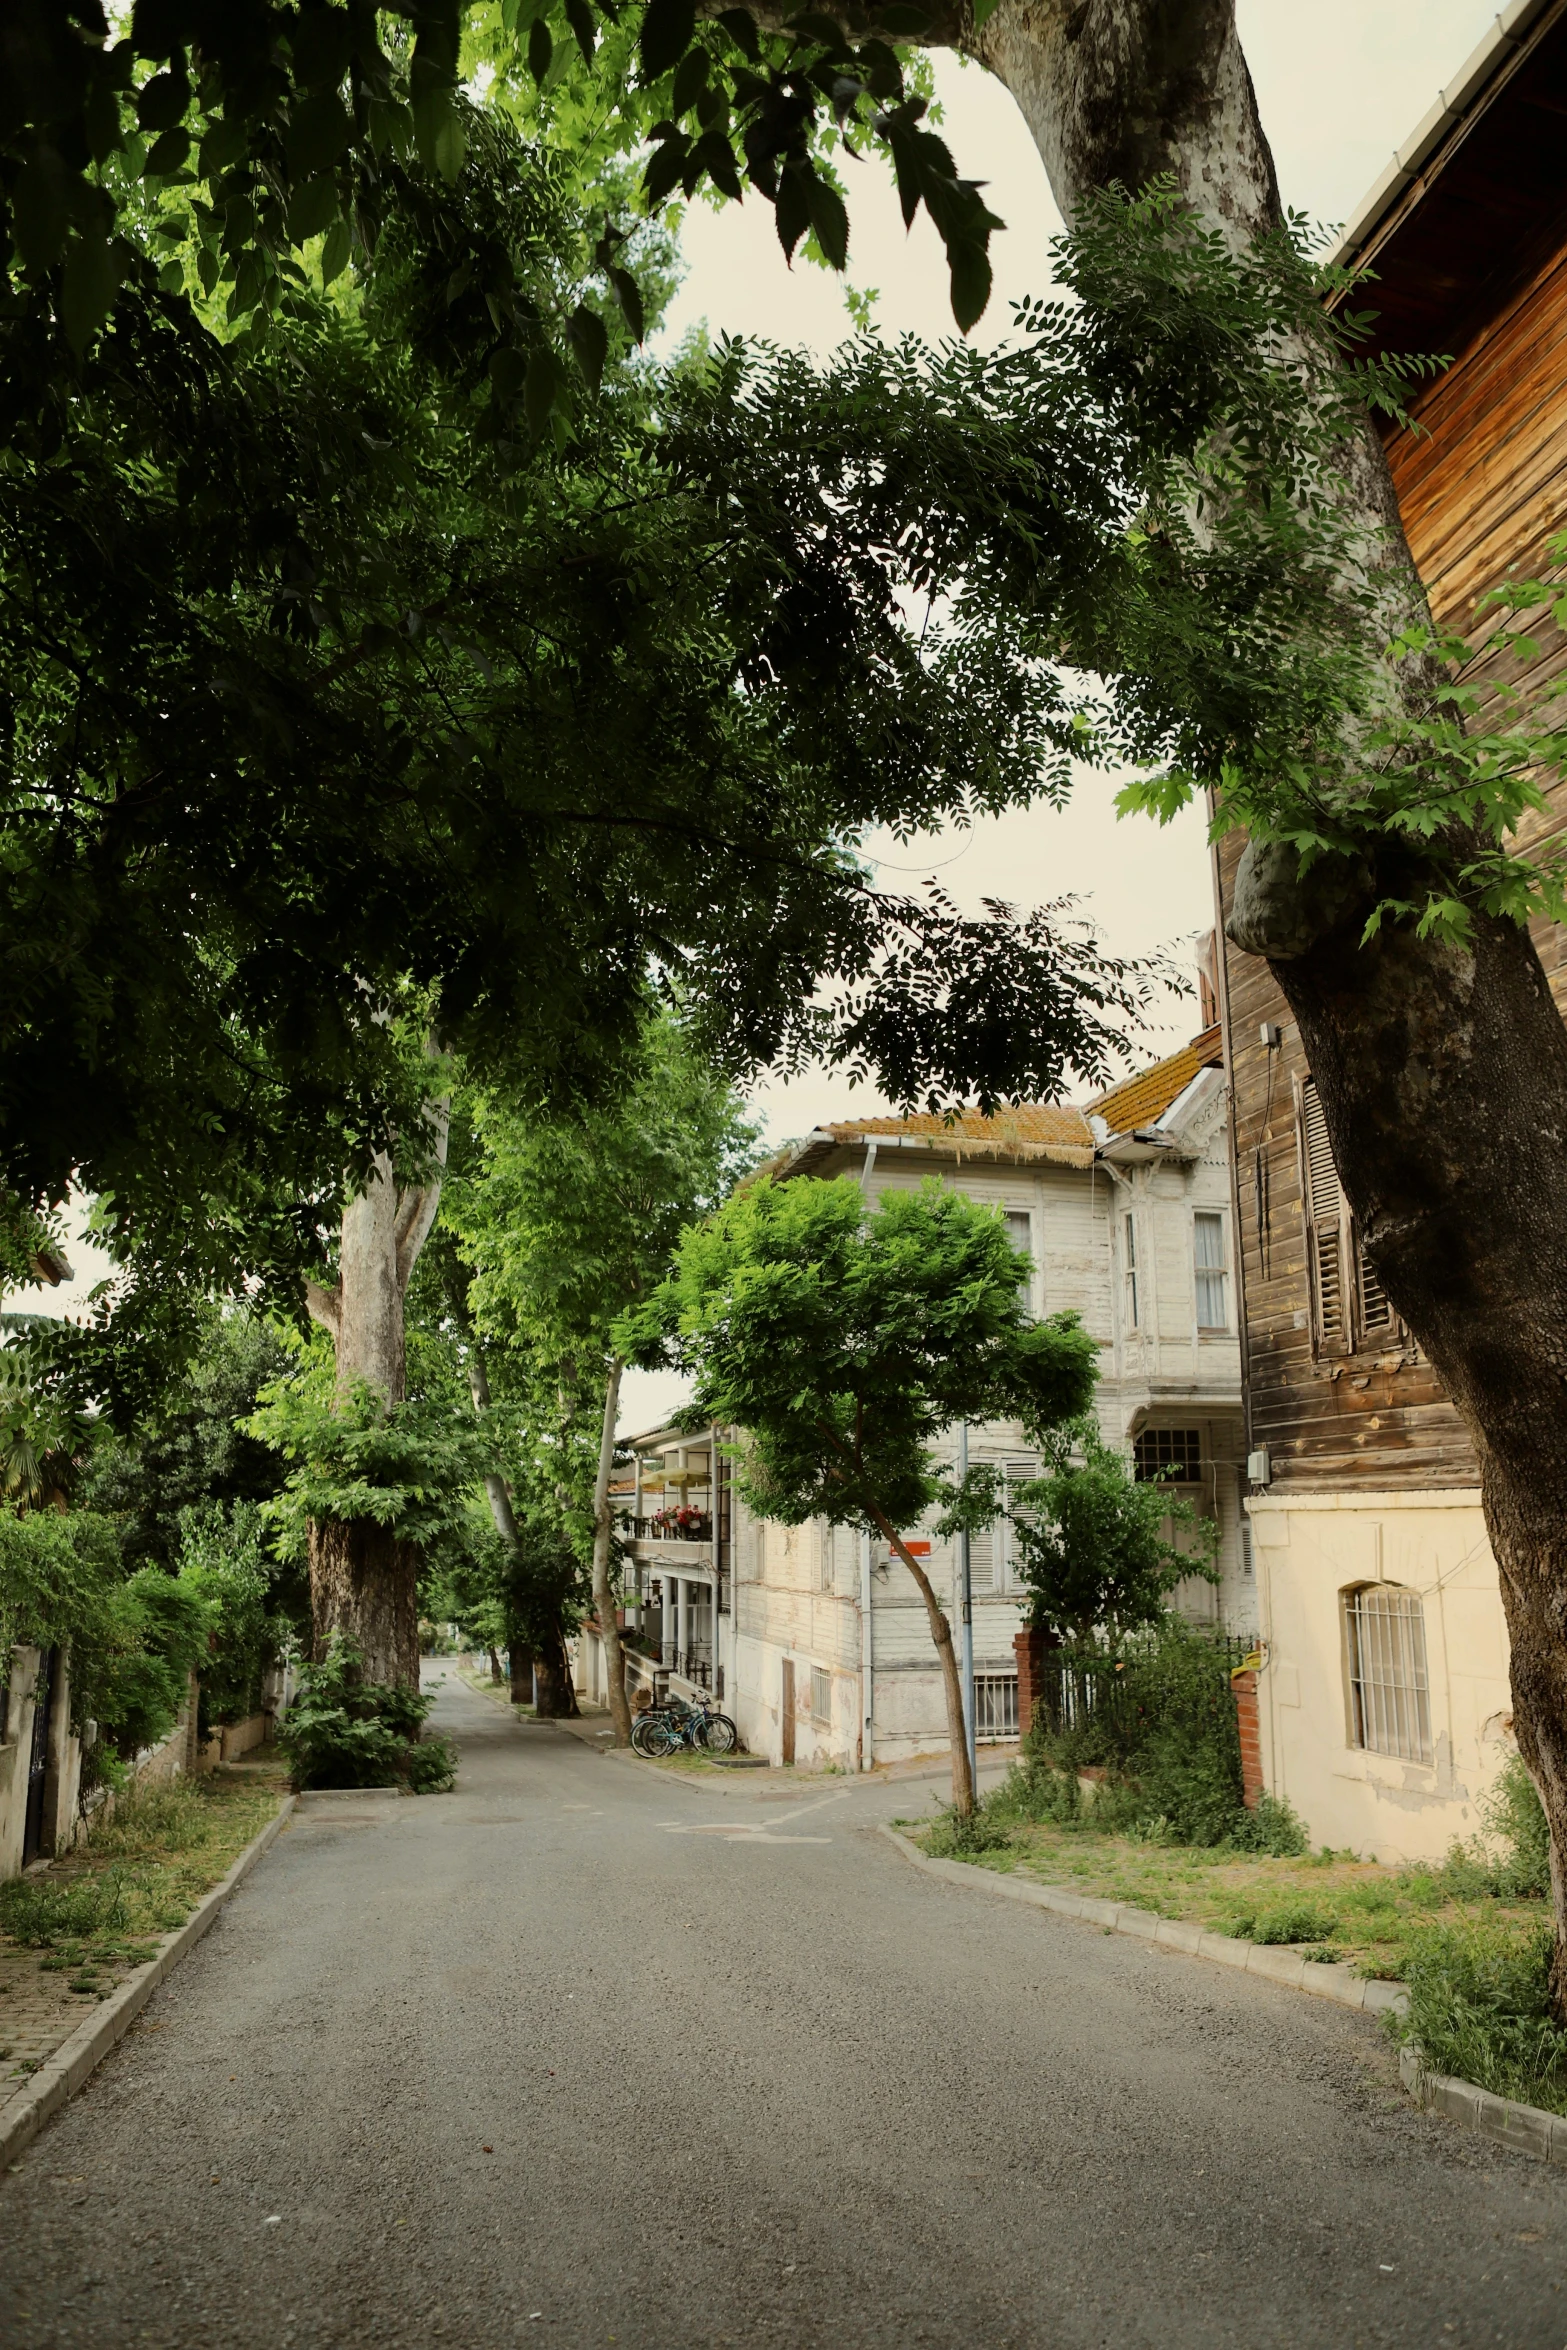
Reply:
x=995 y=1708
x=1102 y=1689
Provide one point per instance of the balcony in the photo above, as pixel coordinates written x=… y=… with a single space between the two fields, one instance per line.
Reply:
x=684 y=1525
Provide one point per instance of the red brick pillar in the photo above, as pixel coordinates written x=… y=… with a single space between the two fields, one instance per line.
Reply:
x=1249 y=1717
x=1029 y=1648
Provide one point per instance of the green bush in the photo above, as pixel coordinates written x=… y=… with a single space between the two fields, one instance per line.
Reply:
x=344 y=1731
x=1513 y=1817
x=1480 y=2007
x=1158 y=1715
x=131 y=1662
x=223 y=1562
x=1296 y=1920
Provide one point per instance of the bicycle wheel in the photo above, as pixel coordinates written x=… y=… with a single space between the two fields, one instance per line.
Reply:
x=653 y=1737
x=719 y=1734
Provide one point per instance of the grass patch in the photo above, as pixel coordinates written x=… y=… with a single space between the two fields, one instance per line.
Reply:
x=1331 y=1906
x=100 y=1911
x=1479 y=2007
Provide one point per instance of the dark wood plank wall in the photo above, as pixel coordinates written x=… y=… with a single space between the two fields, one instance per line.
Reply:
x=1482 y=486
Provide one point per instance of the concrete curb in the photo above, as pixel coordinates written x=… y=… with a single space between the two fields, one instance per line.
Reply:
x=1525 y=2128
x=41 y=2097
x=1338 y=1983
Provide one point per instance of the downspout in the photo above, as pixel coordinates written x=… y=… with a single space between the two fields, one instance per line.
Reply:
x=867 y=1661
x=869 y=1168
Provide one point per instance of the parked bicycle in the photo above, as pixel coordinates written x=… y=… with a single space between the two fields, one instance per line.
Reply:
x=666 y=1729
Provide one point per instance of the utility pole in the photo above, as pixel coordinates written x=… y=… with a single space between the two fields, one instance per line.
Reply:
x=966 y=1623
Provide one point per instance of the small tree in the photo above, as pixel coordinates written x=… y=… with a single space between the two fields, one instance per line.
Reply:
x=1092 y=1539
x=569 y=1222
x=846 y=1344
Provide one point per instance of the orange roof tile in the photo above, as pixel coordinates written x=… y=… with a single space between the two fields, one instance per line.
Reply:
x=1033 y=1122
x=1142 y=1100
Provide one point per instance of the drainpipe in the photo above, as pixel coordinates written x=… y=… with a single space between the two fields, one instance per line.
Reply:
x=966 y=1622
x=869 y=1168
x=867 y=1661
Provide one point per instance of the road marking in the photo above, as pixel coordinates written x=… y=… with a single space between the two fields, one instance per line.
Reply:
x=758 y=1831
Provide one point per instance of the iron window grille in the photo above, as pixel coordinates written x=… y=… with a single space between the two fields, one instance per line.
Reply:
x=1389 y=1687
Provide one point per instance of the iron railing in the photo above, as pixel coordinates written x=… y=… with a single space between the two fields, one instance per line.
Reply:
x=1079 y=1688
x=995 y=1708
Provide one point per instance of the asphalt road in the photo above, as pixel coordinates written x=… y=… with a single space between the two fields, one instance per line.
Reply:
x=581 y=2055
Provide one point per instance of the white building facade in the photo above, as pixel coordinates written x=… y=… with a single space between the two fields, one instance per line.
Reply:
x=815 y=1636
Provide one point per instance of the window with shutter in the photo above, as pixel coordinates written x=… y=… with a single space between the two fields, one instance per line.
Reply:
x=1349 y=1306
x=1327 y=1218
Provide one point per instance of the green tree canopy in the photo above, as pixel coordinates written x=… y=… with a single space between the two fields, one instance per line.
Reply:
x=1096 y=1546
x=845 y=1344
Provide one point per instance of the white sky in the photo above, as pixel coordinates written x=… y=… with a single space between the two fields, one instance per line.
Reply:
x=1340 y=83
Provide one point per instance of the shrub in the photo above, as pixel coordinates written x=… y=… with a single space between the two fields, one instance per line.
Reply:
x=223 y=1562
x=344 y=1731
x=1480 y=2007
x=1285 y=1921
x=1158 y=1714
x=1512 y=1816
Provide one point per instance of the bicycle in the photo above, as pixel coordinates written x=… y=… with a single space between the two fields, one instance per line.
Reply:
x=665 y=1729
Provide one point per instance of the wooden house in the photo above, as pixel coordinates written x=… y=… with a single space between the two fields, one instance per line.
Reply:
x=1385 y=1704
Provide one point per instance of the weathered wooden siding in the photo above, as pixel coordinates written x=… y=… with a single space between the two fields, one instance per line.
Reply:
x=1482 y=485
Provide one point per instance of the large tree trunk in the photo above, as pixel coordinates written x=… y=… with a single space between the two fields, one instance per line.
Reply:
x=364 y=1588
x=1442 y=1072
x=555 y=1700
x=603 y=1591
x=363 y=1582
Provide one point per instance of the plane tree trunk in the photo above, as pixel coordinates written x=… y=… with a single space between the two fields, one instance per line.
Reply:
x=363 y=1578
x=1442 y=1071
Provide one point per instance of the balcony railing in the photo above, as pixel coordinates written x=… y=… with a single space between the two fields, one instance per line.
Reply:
x=673 y=1526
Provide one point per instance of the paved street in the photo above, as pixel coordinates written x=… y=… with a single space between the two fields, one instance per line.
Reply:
x=585 y=2055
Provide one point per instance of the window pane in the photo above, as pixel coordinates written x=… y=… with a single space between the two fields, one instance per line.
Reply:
x=821 y=1695
x=1212 y=1309
x=1165 y=1450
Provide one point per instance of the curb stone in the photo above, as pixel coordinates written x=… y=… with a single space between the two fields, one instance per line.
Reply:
x=41 y=2097
x=1525 y=2128
x=1339 y=1983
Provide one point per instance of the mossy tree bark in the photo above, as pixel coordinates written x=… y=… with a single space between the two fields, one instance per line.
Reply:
x=363 y=1580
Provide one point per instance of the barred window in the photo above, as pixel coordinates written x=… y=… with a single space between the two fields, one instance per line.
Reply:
x=1389 y=1689
x=821 y=1695
x=1168 y=1452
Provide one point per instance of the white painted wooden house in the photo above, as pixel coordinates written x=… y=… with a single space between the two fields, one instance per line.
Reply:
x=817 y=1637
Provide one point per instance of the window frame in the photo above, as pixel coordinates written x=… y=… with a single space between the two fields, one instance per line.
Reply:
x=1129 y=1268
x=1219 y=1272
x=1028 y=1287
x=1378 y=1706
x=821 y=1687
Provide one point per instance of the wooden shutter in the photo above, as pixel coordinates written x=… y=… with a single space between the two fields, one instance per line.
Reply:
x=1329 y=1241
x=1350 y=1309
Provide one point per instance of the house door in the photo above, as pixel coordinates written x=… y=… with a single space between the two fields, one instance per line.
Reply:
x=788 y=1709
x=38 y=1760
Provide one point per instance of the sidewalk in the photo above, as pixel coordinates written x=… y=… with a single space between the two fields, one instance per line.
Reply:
x=79 y=1950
